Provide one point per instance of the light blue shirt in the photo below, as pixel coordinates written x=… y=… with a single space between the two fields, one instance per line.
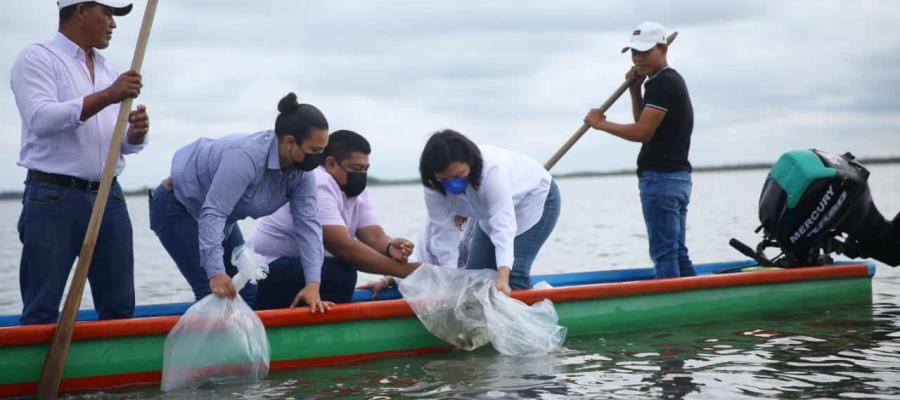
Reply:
x=50 y=81
x=221 y=181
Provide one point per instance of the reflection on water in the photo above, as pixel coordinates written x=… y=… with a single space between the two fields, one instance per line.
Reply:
x=853 y=353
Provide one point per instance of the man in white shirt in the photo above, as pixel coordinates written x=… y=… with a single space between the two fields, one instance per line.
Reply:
x=352 y=237
x=68 y=98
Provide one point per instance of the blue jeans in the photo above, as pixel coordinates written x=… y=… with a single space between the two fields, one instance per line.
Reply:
x=664 y=201
x=179 y=233
x=51 y=227
x=525 y=247
x=286 y=279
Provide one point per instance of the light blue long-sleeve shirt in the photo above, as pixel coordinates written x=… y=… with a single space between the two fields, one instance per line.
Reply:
x=221 y=181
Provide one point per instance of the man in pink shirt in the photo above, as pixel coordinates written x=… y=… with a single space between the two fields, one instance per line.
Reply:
x=352 y=238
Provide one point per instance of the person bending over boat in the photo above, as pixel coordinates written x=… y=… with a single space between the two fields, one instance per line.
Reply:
x=514 y=199
x=68 y=96
x=353 y=238
x=664 y=120
x=216 y=182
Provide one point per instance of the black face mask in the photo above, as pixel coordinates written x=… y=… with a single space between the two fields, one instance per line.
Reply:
x=310 y=161
x=356 y=183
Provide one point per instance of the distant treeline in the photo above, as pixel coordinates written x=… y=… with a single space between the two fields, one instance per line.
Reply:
x=388 y=182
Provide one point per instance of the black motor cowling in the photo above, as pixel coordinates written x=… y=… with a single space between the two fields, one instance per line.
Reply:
x=814 y=203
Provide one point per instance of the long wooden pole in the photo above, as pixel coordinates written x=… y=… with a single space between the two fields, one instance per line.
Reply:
x=584 y=127
x=48 y=387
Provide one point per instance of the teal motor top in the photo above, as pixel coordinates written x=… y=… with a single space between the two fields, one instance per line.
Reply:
x=796 y=170
x=812 y=197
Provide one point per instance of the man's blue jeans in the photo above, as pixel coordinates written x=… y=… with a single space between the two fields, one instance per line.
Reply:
x=179 y=233
x=286 y=279
x=525 y=247
x=664 y=200
x=51 y=227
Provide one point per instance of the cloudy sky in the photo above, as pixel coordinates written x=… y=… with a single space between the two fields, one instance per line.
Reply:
x=765 y=76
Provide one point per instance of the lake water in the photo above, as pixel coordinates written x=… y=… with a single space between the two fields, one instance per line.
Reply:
x=851 y=353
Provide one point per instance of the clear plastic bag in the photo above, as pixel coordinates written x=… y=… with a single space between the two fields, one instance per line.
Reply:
x=516 y=328
x=441 y=299
x=250 y=266
x=219 y=339
x=465 y=309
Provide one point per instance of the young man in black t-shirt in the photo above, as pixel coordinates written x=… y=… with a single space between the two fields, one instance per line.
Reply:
x=664 y=120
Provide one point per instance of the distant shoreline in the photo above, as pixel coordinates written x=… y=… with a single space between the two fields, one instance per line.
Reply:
x=373 y=181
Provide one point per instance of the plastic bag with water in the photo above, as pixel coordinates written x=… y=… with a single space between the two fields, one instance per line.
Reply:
x=219 y=339
x=465 y=309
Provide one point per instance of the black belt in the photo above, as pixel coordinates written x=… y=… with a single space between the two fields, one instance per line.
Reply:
x=65 y=180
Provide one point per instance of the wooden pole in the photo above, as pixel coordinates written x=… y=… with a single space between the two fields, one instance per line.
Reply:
x=584 y=127
x=48 y=386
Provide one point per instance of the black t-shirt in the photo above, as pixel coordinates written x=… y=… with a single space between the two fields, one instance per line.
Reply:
x=668 y=150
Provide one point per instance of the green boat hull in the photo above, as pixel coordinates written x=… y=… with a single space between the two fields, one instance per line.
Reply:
x=106 y=362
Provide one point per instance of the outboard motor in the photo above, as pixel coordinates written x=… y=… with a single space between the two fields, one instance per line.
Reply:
x=816 y=203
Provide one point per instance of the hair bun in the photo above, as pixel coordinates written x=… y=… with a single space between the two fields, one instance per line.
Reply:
x=288 y=103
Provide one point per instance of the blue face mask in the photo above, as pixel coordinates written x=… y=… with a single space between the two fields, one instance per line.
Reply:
x=456 y=185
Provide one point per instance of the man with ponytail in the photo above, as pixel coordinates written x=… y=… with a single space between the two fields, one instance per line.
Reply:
x=216 y=182
x=353 y=238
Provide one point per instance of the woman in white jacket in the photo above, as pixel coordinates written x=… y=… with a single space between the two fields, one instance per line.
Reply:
x=514 y=199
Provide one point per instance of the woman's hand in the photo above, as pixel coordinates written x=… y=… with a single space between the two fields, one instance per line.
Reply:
x=503 y=280
x=375 y=286
x=222 y=286
x=309 y=296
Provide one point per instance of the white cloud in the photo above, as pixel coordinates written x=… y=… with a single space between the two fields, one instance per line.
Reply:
x=764 y=77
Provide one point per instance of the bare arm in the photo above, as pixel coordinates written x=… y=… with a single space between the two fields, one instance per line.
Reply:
x=397 y=248
x=634 y=89
x=636 y=100
x=126 y=85
x=358 y=254
x=374 y=237
x=94 y=103
x=642 y=131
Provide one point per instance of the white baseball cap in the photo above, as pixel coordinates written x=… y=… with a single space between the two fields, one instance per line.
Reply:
x=645 y=36
x=118 y=8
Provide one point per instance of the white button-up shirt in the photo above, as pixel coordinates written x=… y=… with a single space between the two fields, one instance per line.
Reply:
x=509 y=202
x=50 y=81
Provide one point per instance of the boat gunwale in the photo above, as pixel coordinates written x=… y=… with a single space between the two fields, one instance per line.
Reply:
x=386 y=309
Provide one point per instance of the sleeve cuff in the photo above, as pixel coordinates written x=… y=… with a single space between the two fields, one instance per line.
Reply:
x=313 y=275
x=75 y=106
x=504 y=261
x=128 y=148
x=213 y=271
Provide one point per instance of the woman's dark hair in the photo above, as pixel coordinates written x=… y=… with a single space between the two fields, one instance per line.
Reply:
x=298 y=119
x=443 y=148
x=343 y=143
